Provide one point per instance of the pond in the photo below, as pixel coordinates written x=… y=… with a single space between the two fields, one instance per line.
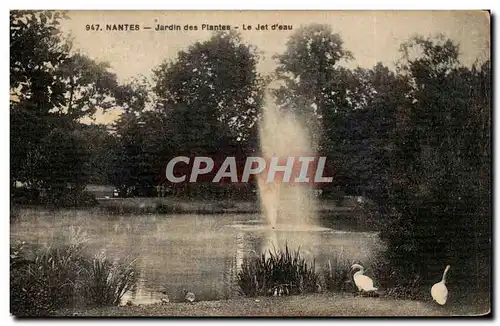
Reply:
x=201 y=253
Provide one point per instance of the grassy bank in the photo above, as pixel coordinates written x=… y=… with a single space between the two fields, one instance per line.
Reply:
x=326 y=304
x=185 y=206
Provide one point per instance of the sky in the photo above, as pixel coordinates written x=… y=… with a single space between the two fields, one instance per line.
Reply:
x=372 y=36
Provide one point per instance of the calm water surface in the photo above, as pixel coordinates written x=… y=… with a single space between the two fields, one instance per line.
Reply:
x=201 y=253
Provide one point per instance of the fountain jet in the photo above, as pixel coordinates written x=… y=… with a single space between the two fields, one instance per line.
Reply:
x=285 y=205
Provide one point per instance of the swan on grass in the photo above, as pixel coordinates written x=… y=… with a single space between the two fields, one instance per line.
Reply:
x=439 y=291
x=363 y=282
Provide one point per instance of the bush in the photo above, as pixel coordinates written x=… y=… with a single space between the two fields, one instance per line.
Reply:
x=432 y=235
x=279 y=271
x=396 y=284
x=23 y=195
x=69 y=198
x=44 y=284
x=63 y=277
x=166 y=208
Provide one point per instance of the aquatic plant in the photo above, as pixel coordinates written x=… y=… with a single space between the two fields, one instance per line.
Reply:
x=280 y=272
x=51 y=278
x=104 y=283
x=336 y=273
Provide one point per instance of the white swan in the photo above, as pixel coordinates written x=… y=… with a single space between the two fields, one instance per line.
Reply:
x=363 y=282
x=439 y=291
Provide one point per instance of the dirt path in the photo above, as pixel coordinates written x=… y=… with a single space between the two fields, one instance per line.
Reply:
x=310 y=305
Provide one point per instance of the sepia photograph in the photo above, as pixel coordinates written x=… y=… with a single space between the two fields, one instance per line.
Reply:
x=250 y=163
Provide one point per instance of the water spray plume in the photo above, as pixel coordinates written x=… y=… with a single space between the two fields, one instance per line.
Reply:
x=283 y=134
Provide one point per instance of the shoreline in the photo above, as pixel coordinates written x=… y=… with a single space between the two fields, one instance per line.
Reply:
x=166 y=206
x=311 y=305
x=186 y=206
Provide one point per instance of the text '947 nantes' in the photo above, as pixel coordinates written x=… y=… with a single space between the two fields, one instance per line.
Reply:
x=187 y=27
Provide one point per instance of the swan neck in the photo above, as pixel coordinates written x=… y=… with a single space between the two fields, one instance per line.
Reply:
x=360 y=272
x=444 y=274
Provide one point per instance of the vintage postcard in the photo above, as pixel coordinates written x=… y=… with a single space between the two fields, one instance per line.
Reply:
x=250 y=163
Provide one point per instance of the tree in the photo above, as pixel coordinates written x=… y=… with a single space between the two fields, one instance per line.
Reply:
x=36 y=51
x=64 y=156
x=321 y=93
x=367 y=132
x=313 y=83
x=142 y=149
x=101 y=150
x=441 y=164
x=211 y=92
x=208 y=103
x=51 y=91
x=88 y=86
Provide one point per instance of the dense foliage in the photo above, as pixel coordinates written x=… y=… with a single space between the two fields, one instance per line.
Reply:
x=51 y=90
x=440 y=199
x=415 y=140
x=65 y=277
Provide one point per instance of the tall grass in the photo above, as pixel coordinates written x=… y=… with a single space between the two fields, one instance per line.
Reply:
x=105 y=282
x=337 y=273
x=41 y=285
x=281 y=271
x=48 y=279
